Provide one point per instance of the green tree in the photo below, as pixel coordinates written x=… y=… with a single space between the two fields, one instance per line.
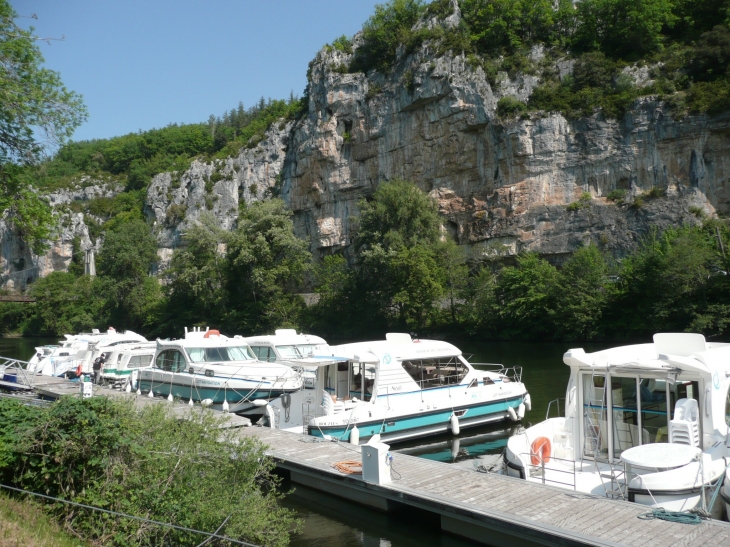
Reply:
x=125 y=261
x=401 y=274
x=197 y=277
x=626 y=29
x=334 y=283
x=508 y=25
x=265 y=265
x=65 y=304
x=524 y=296
x=388 y=28
x=582 y=291
x=664 y=284
x=33 y=102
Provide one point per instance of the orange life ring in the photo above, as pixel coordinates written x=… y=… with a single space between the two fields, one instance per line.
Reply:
x=210 y=333
x=78 y=371
x=540 y=451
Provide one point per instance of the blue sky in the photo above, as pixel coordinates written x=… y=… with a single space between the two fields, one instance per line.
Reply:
x=146 y=63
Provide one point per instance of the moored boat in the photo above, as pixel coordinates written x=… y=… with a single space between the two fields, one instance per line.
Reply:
x=216 y=370
x=398 y=389
x=645 y=423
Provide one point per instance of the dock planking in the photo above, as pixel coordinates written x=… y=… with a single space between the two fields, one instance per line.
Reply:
x=489 y=508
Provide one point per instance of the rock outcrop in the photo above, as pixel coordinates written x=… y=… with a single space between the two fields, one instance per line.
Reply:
x=505 y=181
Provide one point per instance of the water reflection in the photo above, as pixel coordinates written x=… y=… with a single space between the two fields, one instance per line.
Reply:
x=333 y=522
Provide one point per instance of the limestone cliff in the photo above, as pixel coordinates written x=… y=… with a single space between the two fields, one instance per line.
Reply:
x=433 y=121
x=502 y=185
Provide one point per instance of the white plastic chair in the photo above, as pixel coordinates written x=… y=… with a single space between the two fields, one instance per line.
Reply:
x=685 y=427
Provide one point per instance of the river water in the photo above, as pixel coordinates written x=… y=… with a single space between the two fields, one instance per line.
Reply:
x=331 y=522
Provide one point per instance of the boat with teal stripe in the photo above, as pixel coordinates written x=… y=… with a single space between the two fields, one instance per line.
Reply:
x=215 y=370
x=397 y=389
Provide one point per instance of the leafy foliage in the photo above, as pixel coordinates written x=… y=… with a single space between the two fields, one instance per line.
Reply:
x=148 y=463
x=388 y=28
x=31 y=97
x=34 y=105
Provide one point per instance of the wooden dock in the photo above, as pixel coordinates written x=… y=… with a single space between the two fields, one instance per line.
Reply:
x=491 y=509
x=52 y=387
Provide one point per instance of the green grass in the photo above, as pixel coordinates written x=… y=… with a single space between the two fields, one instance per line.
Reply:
x=23 y=522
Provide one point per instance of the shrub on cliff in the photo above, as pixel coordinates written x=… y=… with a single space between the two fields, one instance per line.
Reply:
x=147 y=463
x=388 y=28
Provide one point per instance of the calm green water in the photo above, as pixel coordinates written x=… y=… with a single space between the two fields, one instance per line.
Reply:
x=330 y=521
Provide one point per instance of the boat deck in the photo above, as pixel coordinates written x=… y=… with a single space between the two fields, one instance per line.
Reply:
x=491 y=509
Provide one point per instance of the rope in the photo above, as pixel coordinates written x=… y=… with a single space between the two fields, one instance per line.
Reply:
x=348 y=467
x=133 y=517
x=671 y=516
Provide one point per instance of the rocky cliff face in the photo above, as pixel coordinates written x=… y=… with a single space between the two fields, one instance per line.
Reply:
x=433 y=121
x=502 y=185
x=19 y=266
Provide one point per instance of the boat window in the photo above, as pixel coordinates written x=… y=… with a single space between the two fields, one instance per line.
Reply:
x=216 y=355
x=436 y=372
x=298 y=351
x=264 y=353
x=137 y=361
x=626 y=423
x=488 y=381
x=119 y=358
x=170 y=360
x=727 y=407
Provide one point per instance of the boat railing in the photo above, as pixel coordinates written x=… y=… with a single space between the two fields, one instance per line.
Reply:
x=15 y=371
x=540 y=469
x=557 y=406
x=514 y=373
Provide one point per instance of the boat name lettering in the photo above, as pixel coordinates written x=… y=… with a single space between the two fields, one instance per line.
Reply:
x=207 y=383
x=396 y=388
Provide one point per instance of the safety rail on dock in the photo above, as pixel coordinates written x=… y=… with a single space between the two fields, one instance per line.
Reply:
x=14 y=374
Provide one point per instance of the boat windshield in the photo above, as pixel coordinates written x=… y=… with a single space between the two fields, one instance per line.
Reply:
x=211 y=355
x=296 y=352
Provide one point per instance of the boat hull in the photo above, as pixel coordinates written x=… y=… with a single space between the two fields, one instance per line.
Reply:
x=408 y=426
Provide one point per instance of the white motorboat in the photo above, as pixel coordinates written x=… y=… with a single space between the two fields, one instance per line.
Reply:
x=302 y=352
x=77 y=352
x=646 y=423
x=398 y=389
x=124 y=359
x=216 y=370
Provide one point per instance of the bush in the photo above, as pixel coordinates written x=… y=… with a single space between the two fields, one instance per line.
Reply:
x=509 y=106
x=583 y=203
x=343 y=44
x=148 y=463
x=617 y=195
x=388 y=28
x=655 y=192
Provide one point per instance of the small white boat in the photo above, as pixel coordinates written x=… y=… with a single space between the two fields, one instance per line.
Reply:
x=399 y=389
x=76 y=354
x=619 y=436
x=216 y=370
x=124 y=359
x=302 y=352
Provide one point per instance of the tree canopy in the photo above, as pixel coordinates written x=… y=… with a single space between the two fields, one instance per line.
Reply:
x=36 y=111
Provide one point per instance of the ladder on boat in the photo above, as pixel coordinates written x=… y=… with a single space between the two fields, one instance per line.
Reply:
x=612 y=474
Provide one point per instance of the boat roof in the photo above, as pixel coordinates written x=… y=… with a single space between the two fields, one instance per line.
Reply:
x=198 y=340
x=285 y=337
x=396 y=345
x=670 y=352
